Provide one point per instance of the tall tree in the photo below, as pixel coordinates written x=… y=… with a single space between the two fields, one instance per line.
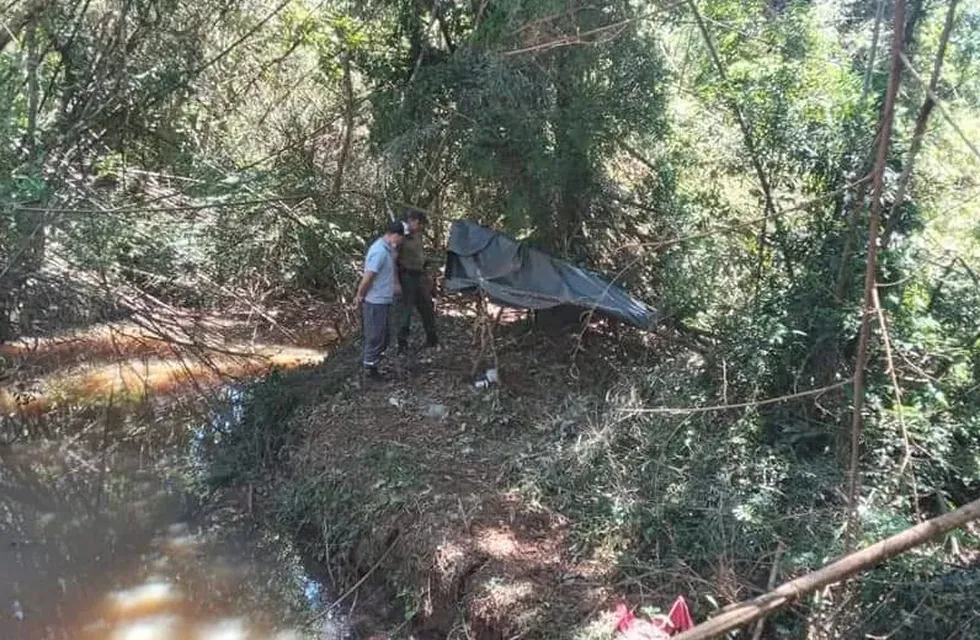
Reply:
x=523 y=103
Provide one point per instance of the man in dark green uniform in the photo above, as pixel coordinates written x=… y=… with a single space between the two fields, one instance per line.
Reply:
x=415 y=290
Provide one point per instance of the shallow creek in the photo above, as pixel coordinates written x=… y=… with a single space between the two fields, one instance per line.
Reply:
x=110 y=531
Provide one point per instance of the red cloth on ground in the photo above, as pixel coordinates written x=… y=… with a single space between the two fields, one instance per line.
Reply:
x=633 y=628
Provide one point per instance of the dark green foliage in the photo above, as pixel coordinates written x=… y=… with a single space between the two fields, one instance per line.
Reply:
x=214 y=156
x=523 y=134
x=248 y=440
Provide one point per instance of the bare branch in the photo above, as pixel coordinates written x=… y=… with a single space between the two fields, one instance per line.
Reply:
x=921 y=121
x=870 y=275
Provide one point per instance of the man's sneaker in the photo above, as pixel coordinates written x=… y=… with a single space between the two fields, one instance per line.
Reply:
x=402 y=349
x=432 y=344
x=372 y=373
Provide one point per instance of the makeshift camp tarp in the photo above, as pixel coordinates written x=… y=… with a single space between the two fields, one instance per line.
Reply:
x=514 y=274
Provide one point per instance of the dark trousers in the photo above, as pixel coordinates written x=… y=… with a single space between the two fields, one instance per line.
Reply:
x=415 y=296
x=375 y=318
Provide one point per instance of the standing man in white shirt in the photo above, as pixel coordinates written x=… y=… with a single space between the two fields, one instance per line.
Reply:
x=376 y=293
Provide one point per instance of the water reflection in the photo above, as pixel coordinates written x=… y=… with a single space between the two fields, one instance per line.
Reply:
x=103 y=537
x=134 y=380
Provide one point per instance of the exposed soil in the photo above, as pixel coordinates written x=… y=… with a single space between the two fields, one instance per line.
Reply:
x=411 y=481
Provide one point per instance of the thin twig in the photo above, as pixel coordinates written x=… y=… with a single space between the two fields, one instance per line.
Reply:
x=326 y=555
x=742 y=405
x=357 y=584
x=581 y=38
x=190 y=207
x=897 y=391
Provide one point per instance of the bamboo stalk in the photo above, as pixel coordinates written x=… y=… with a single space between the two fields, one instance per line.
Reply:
x=752 y=610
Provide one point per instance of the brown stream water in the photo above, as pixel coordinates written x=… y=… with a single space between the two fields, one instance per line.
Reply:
x=109 y=530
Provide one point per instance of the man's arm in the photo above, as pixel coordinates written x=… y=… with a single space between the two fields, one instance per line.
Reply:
x=364 y=285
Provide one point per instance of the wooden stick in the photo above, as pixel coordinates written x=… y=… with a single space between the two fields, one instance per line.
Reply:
x=752 y=610
x=491 y=325
x=480 y=331
x=773 y=573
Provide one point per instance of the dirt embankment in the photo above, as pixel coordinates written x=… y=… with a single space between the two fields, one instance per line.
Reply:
x=415 y=484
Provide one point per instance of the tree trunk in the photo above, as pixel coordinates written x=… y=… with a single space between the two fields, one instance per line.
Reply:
x=33 y=91
x=26 y=253
x=574 y=173
x=348 y=88
x=850 y=239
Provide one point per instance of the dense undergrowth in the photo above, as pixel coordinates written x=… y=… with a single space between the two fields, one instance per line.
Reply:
x=648 y=505
x=714 y=157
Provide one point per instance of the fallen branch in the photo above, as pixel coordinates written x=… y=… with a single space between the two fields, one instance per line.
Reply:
x=357 y=585
x=752 y=610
